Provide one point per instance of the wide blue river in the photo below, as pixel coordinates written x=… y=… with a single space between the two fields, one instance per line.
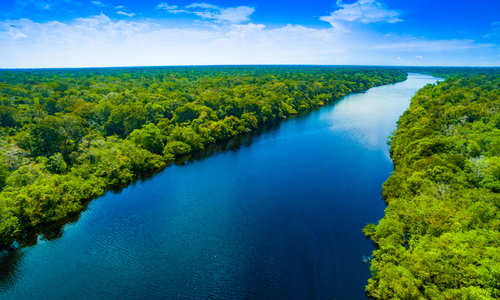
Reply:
x=278 y=218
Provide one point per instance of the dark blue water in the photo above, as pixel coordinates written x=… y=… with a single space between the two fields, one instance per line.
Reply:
x=280 y=218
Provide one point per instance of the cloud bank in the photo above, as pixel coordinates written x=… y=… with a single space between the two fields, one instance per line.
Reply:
x=364 y=11
x=227 y=37
x=238 y=14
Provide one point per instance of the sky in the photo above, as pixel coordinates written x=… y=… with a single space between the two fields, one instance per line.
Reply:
x=104 y=33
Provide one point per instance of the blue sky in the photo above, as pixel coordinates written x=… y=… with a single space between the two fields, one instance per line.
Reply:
x=92 y=33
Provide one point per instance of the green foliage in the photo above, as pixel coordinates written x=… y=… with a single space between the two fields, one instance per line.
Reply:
x=52 y=134
x=177 y=148
x=4 y=172
x=7 y=116
x=68 y=135
x=187 y=136
x=148 y=137
x=56 y=163
x=440 y=236
x=185 y=113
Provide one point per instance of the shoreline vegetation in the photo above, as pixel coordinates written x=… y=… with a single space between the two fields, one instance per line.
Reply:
x=67 y=136
x=440 y=234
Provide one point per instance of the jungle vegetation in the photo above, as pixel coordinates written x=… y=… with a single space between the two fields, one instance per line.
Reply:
x=440 y=236
x=67 y=136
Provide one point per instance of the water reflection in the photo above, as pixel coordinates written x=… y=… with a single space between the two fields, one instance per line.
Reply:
x=280 y=219
x=9 y=262
x=368 y=117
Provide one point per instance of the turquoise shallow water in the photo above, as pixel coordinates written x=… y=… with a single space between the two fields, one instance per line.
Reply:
x=280 y=217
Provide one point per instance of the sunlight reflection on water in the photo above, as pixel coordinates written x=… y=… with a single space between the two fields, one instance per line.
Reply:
x=279 y=219
x=368 y=116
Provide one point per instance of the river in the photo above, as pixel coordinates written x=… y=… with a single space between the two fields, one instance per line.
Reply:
x=278 y=218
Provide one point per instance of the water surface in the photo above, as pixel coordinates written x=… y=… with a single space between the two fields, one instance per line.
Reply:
x=278 y=219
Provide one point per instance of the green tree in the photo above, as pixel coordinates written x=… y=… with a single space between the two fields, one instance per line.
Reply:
x=56 y=163
x=149 y=137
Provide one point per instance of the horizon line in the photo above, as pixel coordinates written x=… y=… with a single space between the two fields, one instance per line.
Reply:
x=246 y=65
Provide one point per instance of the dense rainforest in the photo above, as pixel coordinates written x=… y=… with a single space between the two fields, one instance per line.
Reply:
x=66 y=136
x=440 y=236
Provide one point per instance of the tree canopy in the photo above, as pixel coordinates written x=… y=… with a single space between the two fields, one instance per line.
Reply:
x=66 y=136
x=440 y=236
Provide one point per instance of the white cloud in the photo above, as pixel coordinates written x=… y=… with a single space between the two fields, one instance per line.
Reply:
x=119 y=7
x=97 y=3
x=202 y=5
x=178 y=11
x=363 y=11
x=15 y=33
x=214 y=13
x=101 y=41
x=232 y=14
x=124 y=13
x=166 y=6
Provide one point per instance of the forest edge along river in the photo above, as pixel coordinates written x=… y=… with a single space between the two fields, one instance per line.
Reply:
x=280 y=217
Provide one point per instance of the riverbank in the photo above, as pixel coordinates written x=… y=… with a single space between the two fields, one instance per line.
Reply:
x=256 y=222
x=69 y=136
x=439 y=238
